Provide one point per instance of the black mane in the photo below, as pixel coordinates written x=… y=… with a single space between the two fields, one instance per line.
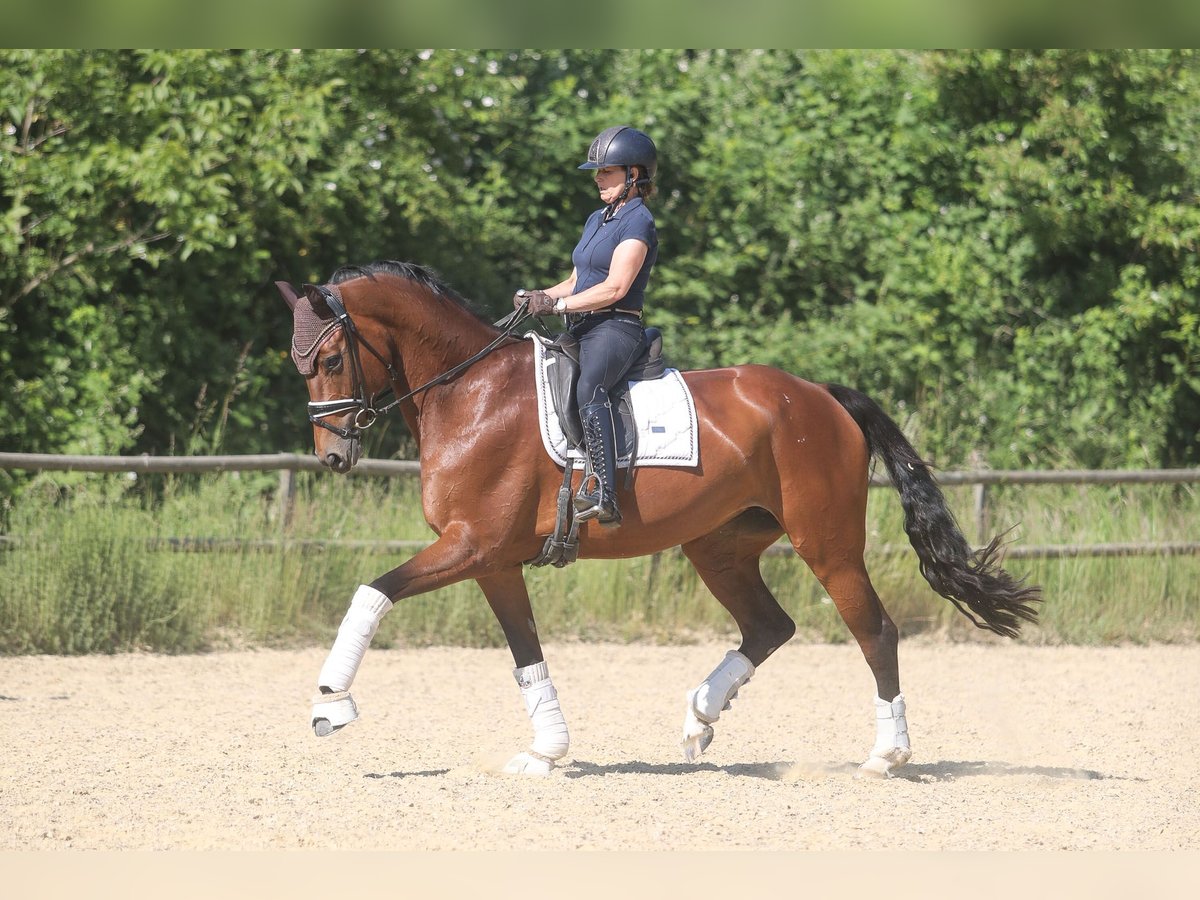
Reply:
x=421 y=275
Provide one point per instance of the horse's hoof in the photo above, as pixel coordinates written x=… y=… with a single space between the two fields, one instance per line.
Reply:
x=697 y=733
x=332 y=712
x=528 y=764
x=695 y=744
x=883 y=765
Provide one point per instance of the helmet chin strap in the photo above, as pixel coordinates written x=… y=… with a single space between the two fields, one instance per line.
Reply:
x=611 y=209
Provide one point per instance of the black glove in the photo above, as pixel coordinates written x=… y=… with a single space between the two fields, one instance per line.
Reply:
x=540 y=303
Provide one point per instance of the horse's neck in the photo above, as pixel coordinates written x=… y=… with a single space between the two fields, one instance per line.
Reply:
x=430 y=334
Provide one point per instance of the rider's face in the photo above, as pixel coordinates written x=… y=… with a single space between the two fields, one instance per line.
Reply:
x=609 y=181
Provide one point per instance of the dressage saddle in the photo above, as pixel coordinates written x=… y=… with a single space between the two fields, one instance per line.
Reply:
x=563 y=375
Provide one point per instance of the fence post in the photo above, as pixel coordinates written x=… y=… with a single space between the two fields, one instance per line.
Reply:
x=286 y=498
x=981 y=530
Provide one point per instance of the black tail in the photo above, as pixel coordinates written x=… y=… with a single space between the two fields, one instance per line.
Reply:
x=964 y=577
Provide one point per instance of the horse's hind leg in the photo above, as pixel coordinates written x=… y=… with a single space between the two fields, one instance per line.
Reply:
x=728 y=562
x=844 y=576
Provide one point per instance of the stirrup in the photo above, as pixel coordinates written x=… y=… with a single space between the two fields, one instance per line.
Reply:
x=587 y=508
x=612 y=520
x=587 y=503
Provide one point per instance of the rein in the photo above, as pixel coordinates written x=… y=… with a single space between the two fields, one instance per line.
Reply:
x=366 y=412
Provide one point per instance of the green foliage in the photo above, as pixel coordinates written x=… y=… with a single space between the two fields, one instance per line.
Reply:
x=1000 y=246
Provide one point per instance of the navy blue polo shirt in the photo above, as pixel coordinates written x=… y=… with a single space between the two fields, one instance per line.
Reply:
x=593 y=254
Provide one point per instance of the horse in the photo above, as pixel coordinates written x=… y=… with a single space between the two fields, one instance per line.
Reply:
x=778 y=456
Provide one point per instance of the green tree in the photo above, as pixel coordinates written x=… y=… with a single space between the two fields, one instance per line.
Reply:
x=999 y=246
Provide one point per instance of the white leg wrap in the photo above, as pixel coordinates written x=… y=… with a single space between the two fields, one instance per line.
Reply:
x=721 y=686
x=706 y=703
x=892 y=748
x=550 y=737
x=354 y=635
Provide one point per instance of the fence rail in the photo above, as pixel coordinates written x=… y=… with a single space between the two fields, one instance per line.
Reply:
x=288 y=464
x=297 y=462
x=264 y=462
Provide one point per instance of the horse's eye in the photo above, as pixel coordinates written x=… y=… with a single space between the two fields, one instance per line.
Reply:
x=333 y=362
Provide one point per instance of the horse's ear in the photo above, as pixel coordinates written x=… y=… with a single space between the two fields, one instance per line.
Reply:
x=288 y=293
x=316 y=297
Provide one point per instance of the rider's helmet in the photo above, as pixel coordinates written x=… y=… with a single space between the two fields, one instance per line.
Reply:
x=623 y=145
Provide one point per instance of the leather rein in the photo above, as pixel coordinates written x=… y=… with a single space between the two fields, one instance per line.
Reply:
x=366 y=410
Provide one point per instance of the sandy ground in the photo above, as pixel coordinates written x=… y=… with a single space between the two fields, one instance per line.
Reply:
x=1014 y=748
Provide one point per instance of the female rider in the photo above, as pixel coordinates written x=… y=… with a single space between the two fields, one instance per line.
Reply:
x=604 y=296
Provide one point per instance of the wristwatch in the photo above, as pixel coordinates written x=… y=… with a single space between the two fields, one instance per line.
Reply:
x=560 y=305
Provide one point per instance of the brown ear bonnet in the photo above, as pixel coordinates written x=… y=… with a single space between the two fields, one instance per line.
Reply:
x=312 y=324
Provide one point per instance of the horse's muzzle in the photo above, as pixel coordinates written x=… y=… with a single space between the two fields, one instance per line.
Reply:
x=342 y=456
x=337 y=462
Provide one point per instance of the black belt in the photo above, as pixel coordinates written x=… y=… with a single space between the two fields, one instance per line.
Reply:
x=574 y=319
x=615 y=312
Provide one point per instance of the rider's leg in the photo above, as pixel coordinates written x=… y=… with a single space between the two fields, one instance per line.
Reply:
x=607 y=348
x=598 y=497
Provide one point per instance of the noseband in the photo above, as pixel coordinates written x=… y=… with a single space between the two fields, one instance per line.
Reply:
x=365 y=410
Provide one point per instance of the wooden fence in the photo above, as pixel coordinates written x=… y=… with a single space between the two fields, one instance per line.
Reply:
x=288 y=464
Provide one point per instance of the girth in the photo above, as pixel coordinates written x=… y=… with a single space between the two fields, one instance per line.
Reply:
x=565 y=373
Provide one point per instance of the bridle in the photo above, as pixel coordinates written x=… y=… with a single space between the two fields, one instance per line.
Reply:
x=366 y=411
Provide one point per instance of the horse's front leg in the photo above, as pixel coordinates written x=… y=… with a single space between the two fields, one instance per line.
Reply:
x=447 y=560
x=509 y=598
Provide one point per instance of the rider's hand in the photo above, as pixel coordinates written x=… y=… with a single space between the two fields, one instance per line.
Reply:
x=540 y=303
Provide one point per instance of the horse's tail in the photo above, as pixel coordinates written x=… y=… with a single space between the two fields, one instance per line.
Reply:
x=965 y=578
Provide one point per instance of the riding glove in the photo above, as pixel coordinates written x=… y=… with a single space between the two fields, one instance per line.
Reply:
x=540 y=303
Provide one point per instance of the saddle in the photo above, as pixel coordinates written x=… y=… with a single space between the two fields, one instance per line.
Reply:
x=649 y=366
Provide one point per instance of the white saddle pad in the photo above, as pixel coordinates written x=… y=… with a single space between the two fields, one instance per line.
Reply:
x=663 y=413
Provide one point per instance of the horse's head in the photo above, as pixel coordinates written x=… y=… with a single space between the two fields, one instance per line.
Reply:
x=325 y=349
x=428 y=336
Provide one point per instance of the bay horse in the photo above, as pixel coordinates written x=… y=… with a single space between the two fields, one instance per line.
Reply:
x=778 y=455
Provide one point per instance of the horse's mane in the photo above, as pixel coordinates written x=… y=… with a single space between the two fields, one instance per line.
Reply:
x=421 y=275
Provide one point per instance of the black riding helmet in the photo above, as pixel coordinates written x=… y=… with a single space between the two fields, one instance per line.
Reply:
x=625 y=146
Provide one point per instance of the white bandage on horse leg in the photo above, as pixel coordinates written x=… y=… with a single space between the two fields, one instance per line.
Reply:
x=891 y=727
x=892 y=748
x=354 y=635
x=705 y=703
x=550 y=737
x=721 y=686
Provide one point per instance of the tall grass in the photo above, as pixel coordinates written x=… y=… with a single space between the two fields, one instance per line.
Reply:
x=81 y=577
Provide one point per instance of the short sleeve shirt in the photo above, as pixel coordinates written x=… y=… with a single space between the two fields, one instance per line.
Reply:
x=593 y=254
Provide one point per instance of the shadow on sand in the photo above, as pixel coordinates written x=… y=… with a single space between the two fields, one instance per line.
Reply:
x=949 y=770
x=788 y=771
x=772 y=771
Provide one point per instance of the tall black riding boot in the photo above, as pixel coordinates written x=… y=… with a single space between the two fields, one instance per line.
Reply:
x=600 y=502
